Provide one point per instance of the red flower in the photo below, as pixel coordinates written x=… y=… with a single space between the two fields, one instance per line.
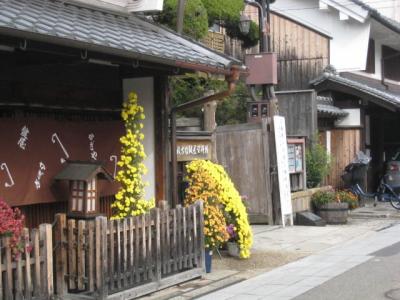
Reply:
x=11 y=225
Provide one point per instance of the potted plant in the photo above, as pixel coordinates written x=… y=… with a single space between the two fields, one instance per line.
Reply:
x=215 y=233
x=232 y=244
x=329 y=207
x=347 y=197
x=223 y=205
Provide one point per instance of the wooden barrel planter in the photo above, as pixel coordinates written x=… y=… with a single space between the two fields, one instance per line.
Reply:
x=334 y=212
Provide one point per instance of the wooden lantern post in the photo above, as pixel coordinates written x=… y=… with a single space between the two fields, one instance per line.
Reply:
x=83 y=198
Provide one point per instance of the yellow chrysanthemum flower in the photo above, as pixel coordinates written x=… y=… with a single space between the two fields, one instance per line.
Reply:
x=222 y=204
x=129 y=199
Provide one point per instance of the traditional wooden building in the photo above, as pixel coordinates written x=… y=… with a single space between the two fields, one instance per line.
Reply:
x=357 y=98
x=65 y=69
x=353 y=106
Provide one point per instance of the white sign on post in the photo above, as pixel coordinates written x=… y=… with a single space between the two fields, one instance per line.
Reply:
x=283 y=169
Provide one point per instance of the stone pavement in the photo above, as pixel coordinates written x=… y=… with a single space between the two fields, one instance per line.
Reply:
x=383 y=210
x=296 y=278
x=296 y=241
x=310 y=239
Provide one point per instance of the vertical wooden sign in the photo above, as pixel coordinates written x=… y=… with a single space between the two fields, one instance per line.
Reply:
x=283 y=169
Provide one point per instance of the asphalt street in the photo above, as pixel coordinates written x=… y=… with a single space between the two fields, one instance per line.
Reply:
x=377 y=278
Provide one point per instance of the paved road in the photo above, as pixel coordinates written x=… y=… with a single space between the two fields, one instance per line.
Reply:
x=364 y=268
x=378 y=278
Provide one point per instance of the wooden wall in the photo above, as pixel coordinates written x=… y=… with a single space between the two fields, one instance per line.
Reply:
x=345 y=143
x=37 y=214
x=300 y=112
x=27 y=77
x=302 y=52
x=243 y=151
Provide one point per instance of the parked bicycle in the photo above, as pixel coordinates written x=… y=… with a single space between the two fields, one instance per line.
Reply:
x=354 y=174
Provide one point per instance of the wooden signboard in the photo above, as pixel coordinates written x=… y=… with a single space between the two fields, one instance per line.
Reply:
x=283 y=169
x=188 y=149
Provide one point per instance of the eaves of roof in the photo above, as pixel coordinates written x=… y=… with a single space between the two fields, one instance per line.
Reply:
x=352 y=11
x=375 y=14
x=330 y=111
x=61 y=23
x=381 y=98
x=325 y=108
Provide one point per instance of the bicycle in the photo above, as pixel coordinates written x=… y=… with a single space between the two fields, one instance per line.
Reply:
x=356 y=171
x=384 y=193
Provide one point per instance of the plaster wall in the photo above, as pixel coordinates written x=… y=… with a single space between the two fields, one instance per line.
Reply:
x=125 y=5
x=378 y=59
x=349 y=43
x=144 y=87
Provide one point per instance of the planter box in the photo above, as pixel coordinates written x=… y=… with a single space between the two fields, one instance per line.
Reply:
x=233 y=249
x=301 y=201
x=334 y=213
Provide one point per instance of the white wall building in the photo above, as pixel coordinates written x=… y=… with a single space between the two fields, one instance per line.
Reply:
x=350 y=25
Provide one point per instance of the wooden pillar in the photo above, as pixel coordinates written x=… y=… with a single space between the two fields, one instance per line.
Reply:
x=209 y=115
x=161 y=136
x=46 y=237
x=61 y=254
x=275 y=195
x=209 y=124
x=267 y=170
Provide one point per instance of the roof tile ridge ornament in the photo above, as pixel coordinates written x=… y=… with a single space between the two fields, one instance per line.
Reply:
x=330 y=70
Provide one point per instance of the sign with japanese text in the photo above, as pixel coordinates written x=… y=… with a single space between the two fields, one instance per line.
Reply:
x=191 y=149
x=283 y=169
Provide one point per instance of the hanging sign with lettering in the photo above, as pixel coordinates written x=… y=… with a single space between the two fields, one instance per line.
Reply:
x=192 y=149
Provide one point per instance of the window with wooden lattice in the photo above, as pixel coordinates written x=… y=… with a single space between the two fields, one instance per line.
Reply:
x=77 y=195
x=91 y=196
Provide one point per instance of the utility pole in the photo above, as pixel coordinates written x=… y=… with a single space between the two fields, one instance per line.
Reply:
x=268 y=96
x=180 y=16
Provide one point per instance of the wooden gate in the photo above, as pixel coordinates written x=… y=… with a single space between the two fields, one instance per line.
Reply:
x=244 y=152
x=124 y=259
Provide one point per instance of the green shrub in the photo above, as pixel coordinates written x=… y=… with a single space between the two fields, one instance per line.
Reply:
x=323 y=197
x=195 y=22
x=318 y=163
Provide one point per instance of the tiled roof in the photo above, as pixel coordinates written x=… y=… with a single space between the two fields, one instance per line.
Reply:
x=392 y=24
x=387 y=98
x=325 y=107
x=127 y=35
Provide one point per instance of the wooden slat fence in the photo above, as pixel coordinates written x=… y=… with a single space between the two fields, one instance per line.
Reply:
x=30 y=275
x=107 y=259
